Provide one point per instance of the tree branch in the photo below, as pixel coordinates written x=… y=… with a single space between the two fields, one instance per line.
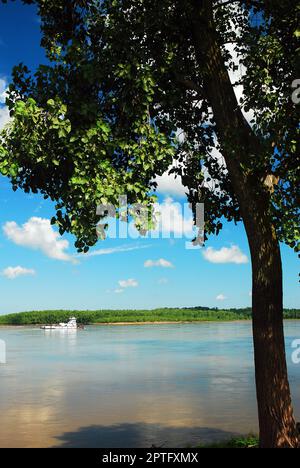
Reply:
x=188 y=84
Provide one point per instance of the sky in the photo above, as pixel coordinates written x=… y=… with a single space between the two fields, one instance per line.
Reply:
x=41 y=270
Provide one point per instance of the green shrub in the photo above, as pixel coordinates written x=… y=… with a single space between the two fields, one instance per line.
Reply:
x=113 y=316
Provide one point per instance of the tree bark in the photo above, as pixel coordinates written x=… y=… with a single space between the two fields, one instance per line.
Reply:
x=276 y=421
x=239 y=143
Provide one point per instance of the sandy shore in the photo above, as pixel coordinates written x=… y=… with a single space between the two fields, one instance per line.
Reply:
x=174 y=322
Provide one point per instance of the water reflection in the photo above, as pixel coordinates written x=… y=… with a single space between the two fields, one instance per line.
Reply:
x=140 y=435
x=69 y=335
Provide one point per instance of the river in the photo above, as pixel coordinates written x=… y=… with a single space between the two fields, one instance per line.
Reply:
x=168 y=385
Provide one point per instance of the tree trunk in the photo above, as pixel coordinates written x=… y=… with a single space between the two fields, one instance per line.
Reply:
x=240 y=145
x=276 y=422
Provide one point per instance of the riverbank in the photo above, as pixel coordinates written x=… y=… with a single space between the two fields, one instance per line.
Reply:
x=136 y=317
x=119 y=324
x=241 y=442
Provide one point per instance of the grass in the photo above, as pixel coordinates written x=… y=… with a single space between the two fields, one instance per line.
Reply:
x=250 y=441
x=195 y=314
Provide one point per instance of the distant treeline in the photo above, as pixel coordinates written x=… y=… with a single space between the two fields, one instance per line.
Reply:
x=155 y=315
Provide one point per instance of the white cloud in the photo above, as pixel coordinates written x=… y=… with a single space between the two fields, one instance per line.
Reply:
x=118 y=291
x=231 y=254
x=3 y=90
x=235 y=76
x=4 y=113
x=13 y=272
x=221 y=297
x=241 y=70
x=4 y=117
x=38 y=234
x=129 y=283
x=174 y=218
x=158 y=263
x=168 y=184
x=113 y=250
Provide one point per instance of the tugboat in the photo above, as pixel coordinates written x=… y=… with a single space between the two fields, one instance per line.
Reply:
x=70 y=325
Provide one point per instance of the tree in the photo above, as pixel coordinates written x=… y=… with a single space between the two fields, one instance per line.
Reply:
x=101 y=119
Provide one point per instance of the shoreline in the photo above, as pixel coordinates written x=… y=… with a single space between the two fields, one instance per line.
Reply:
x=174 y=322
x=169 y=322
x=120 y=324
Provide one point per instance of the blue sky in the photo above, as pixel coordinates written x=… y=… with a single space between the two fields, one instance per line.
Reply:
x=41 y=270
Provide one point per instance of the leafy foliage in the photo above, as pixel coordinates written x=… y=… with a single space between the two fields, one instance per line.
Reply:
x=250 y=441
x=103 y=117
x=114 y=316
